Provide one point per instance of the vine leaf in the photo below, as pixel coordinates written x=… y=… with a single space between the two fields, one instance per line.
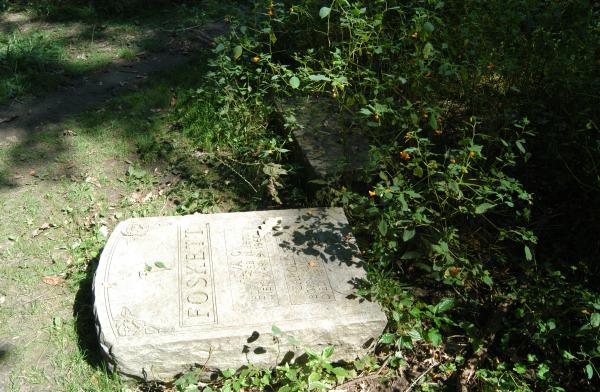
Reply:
x=294 y=82
x=324 y=12
x=237 y=52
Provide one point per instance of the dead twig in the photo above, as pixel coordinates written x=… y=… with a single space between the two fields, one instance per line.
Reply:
x=237 y=173
x=357 y=380
x=420 y=378
x=366 y=377
x=183 y=29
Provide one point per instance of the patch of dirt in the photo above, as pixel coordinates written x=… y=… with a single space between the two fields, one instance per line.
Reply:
x=21 y=119
x=14 y=21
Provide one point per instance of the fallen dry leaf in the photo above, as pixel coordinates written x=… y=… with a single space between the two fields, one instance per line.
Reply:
x=43 y=227
x=136 y=197
x=149 y=196
x=93 y=181
x=32 y=173
x=53 y=280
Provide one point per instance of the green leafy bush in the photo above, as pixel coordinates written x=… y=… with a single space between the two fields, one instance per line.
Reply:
x=481 y=117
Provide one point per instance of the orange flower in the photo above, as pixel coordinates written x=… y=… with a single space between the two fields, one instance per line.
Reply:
x=255 y=59
x=438 y=132
x=472 y=154
x=405 y=155
x=372 y=194
x=270 y=13
x=415 y=34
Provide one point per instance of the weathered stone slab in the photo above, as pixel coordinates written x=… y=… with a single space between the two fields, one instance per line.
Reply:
x=329 y=143
x=176 y=292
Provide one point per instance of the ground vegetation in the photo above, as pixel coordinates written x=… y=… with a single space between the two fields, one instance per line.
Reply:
x=476 y=211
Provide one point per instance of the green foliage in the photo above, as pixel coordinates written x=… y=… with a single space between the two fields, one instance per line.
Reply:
x=466 y=105
x=315 y=373
x=24 y=59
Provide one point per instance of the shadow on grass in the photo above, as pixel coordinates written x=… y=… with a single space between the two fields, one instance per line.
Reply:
x=3 y=353
x=135 y=118
x=139 y=119
x=42 y=55
x=85 y=326
x=37 y=63
x=40 y=145
x=6 y=181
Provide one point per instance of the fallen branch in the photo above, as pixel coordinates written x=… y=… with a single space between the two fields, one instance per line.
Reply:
x=183 y=29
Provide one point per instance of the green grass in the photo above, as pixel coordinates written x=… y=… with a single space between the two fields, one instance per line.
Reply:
x=77 y=184
x=40 y=51
x=59 y=189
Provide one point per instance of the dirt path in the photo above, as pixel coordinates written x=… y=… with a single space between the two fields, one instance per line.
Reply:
x=19 y=120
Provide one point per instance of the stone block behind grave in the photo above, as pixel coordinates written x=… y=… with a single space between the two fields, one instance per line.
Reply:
x=330 y=144
x=172 y=293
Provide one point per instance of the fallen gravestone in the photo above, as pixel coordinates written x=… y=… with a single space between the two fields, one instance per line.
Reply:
x=329 y=144
x=216 y=290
